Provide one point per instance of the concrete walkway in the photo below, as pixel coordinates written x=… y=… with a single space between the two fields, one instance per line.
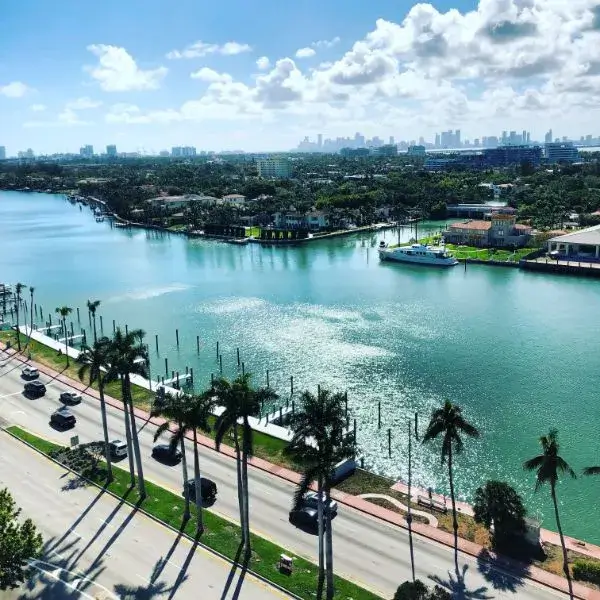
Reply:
x=433 y=522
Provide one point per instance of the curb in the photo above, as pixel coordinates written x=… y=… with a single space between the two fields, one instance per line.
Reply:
x=156 y=519
x=390 y=517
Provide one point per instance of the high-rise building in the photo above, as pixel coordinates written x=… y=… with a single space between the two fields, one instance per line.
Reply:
x=2 y=153
x=457 y=142
x=320 y=140
x=86 y=151
x=391 y=141
x=528 y=137
x=274 y=168
x=548 y=137
x=561 y=152
x=180 y=151
x=437 y=140
x=111 y=150
x=524 y=137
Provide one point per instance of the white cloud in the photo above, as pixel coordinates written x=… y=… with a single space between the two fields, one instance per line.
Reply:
x=200 y=49
x=15 y=89
x=305 y=52
x=326 y=43
x=37 y=107
x=83 y=103
x=210 y=75
x=263 y=63
x=117 y=71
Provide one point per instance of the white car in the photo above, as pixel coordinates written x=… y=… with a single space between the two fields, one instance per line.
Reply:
x=30 y=373
x=117 y=448
x=311 y=500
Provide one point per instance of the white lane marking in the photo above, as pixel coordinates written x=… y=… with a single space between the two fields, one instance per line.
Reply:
x=9 y=395
x=105 y=522
x=144 y=579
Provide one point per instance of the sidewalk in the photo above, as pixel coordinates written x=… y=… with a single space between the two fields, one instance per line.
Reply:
x=436 y=535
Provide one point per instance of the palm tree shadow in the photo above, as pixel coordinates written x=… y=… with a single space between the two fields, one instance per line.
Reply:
x=502 y=575
x=232 y=571
x=182 y=575
x=455 y=584
x=242 y=576
x=153 y=590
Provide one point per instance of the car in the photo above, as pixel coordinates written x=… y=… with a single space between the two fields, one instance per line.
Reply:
x=164 y=453
x=117 y=449
x=70 y=398
x=304 y=517
x=63 y=418
x=311 y=500
x=208 y=489
x=35 y=389
x=30 y=373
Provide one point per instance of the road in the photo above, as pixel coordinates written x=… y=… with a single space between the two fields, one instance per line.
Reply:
x=366 y=550
x=97 y=547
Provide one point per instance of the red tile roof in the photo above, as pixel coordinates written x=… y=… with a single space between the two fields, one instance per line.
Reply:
x=479 y=225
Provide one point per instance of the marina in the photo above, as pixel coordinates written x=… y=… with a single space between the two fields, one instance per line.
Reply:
x=512 y=347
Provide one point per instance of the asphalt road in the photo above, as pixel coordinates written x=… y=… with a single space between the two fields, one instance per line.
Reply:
x=99 y=548
x=366 y=550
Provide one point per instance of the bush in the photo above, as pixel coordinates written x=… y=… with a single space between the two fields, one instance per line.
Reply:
x=418 y=591
x=586 y=570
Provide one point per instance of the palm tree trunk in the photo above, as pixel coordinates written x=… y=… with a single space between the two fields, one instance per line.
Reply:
x=31 y=318
x=328 y=544
x=128 y=433
x=66 y=340
x=17 y=319
x=238 y=460
x=186 y=513
x=246 y=493
x=321 y=578
x=95 y=337
x=454 y=517
x=198 y=487
x=562 y=542
x=105 y=428
x=136 y=441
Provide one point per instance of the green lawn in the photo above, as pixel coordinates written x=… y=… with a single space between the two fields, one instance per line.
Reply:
x=255 y=231
x=220 y=534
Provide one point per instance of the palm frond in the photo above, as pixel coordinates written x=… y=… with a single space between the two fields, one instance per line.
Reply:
x=161 y=429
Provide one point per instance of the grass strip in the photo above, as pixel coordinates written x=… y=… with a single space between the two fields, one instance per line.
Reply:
x=220 y=534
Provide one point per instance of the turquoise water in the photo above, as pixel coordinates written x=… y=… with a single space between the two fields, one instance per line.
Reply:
x=518 y=351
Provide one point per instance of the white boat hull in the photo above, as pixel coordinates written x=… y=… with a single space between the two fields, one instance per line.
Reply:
x=416 y=259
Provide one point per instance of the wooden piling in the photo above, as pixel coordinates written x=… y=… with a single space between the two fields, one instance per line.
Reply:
x=177 y=337
x=101 y=324
x=197 y=344
x=156 y=342
x=114 y=326
x=346 y=402
x=379 y=415
x=268 y=378
x=221 y=363
x=192 y=375
x=166 y=367
x=238 y=357
x=178 y=380
x=78 y=317
x=126 y=329
x=243 y=368
x=218 y=351
x=291 y=384
x=417 y=426
x=354 y=440
x=389 y=443
x=72 y=330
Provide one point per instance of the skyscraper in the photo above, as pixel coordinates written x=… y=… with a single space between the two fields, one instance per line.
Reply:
x=457 y=141
x=437 y=140
x=320 y=140
x=86 y=151
x=2 y=153
x=548 y=137
x=392 y=140
x=111 y=150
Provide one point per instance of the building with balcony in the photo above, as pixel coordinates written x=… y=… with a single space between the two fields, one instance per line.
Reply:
x=274 y=168
x=499 y=232
x=563 y=152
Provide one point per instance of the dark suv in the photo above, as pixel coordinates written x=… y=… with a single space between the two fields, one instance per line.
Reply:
x=163 y=453
x=35 y=389
x=208 y=489
x=63 y=418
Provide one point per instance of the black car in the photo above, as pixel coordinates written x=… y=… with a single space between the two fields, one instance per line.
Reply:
x=63 y=418
x=164 y=453
x=208 y=489
x=305 y=517
x=35 y=389
x=70 y=398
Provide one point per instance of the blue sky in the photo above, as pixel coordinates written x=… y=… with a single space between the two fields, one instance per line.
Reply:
x=149 y=75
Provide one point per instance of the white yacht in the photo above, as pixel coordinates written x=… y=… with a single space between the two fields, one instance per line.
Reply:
x=419 y=254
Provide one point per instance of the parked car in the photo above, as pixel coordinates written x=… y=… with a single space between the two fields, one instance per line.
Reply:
x=63 y=418
x=311 y=500
x=35 y=389
x=30 y=373
x=70 y=398
x=208 y=489
x=164 y=453
x=117 y=449
x=304 y=517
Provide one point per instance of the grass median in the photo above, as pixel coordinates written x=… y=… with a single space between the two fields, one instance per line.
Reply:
x=220 y=534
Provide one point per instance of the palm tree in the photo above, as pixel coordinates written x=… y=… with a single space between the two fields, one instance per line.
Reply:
x=94 y=362
x=31 y=290
x=128 y=354
x=449 y=423
x=92 y=306
x=19 y=287
x=548 y=467
x=64 y=312
x=240 y=401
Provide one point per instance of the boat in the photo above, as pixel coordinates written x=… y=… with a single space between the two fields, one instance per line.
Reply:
x=99 y=218
x=419 y=254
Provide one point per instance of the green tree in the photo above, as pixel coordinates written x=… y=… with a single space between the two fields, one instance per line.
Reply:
x=240 y=401
x=63 y=312
x=319 y=443
x=95 y=364
x=448 y=423
x=548 y=467
x=19 y=287
x=129 y=355
x=92 y=306
x=19 y=542
x=417 y=590
x=498 y=504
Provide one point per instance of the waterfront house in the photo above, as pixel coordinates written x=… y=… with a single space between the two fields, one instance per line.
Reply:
x=313 y=220
x=234 y=199
x=580 y=246
x=500 y=231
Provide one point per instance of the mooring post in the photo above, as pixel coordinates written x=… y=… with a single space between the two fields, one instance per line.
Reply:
x=166 y=367
x=177 y=337
x=355 y=433
x=212 y=379
x=218 y=350
x=281 y=415
x=49 y=317
x=177 y=379
x=221 y=363
x=187 y=371
x=389 y=443
x=291 y=384
x=114 y=326
x=318 y=390
x=41 y=312
x=101 y=324
x=417 y=426
x=346 y=402
x=238 y=357
x=197 y=344
x=72 y=331
x=243 y=368
x=126 y=329
x=78 y=317
x=192 y=375
x=156 y=342
x=293 y=407
x=84 y=337
x=267 y=377
x=379 y=415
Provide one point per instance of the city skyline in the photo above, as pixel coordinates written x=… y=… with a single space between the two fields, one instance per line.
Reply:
x=148 y=76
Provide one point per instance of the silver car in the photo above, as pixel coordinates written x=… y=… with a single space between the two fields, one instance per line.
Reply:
x=30 y=373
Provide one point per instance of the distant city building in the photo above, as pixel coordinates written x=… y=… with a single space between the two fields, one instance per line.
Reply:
x=111 y=150
x=437 y=140
x=416 y=151
x=562 y=152
x=548 y=137
x=164 y=153
x=391 y=141
x=183 y=151
x=355 y=152
x=505 y=156
x=274 y=168
x=29 y=153
x=86 y=151
x=2 y=153
x=320 y=140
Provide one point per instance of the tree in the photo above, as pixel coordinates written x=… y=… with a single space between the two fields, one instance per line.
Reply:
x=240 y=401
x=449 y=423
x=498 y=504
x=319 y=443
x=129 y=355
x=19 y=542
x=64 y=312
x=94 y=363
x=548 y=467
x=19 y=287
x=417 y=590
x=92 y=306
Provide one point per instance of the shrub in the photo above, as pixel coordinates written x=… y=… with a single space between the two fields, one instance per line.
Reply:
x=587 y=570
